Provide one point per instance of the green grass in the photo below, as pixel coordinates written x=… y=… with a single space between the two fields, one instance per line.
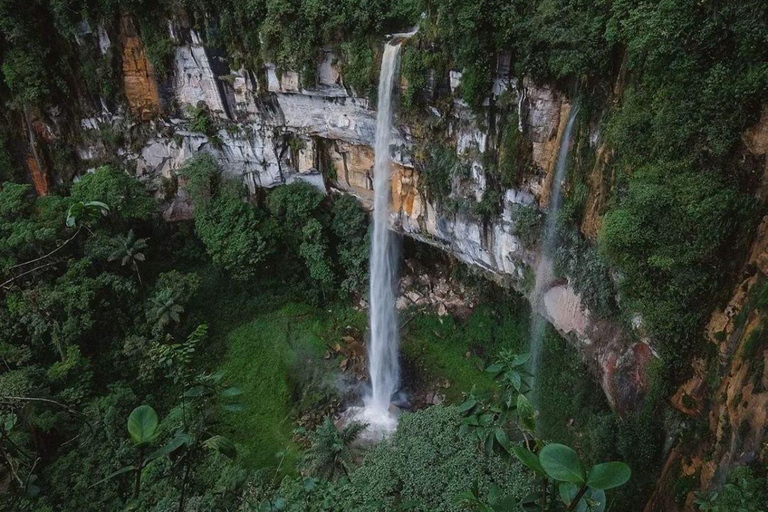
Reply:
x=269 y=346
x=570 y=397
x=439 y=345
x=268 y=358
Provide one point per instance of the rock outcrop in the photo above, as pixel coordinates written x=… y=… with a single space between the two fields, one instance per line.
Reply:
x=139 y=78
x=729 y=389
x=325 y=136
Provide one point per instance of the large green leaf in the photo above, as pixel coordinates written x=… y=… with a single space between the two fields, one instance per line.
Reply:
x=592 y=501
x=530 y=459
x=495 y=368
x=198 y=391
x=81 y=212
x=608 y=475
x=174 y=444
x=123 y=470
x=467 y=405
x=526 y=413
x=502 y=438
x=520 y=359
x=142 y=425
x=231 y=392
x=562 y=463
x=516 y=378
x=222 y=445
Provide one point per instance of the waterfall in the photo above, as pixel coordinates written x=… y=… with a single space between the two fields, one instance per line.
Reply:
x=383 y=346
x=383 y=364
x=544 y=269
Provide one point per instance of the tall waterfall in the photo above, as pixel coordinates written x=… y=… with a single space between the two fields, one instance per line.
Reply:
x=383 y=347
x=544 y=269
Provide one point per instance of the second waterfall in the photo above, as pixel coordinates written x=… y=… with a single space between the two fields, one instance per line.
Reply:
x=383 y=347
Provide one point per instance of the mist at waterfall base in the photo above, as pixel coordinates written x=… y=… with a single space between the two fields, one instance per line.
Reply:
x=544 y=269
x=383 y=346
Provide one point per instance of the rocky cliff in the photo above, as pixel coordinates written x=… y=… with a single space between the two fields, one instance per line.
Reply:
x=269 y=126
x=268 y=129
x=725 y=402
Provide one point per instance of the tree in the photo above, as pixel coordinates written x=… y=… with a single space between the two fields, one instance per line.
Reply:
x=349 y=225
x=128 y=197
x=128 y=249
x=314 y=251
x=164 y=309
x=236 y=235
x=332 y=452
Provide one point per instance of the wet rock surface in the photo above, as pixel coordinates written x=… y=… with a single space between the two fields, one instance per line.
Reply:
x=278 y=132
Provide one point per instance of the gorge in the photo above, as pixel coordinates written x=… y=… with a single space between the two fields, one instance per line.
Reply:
x=187 y=189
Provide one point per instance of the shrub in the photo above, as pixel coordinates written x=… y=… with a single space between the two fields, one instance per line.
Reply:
x=314 y=250
x=294 y=204
x=349 y=224
x=587 y=272
x=124 y=195
x=236 y=236
x=439 y=168
x=669 y=237
x=744 y=491
x=25 y=74
x=528 y=225
x=426 y=462
x=514 y=155
x=359 y=68
x=202 y=121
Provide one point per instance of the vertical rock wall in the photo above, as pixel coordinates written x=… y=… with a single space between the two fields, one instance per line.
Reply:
x=139 y=78
x=325 y=136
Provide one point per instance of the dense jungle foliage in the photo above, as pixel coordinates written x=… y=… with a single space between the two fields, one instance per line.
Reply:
x=158 y=367
x=692 y=77
x=165 y=367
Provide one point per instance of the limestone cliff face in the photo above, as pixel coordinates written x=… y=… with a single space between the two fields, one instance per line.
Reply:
x=273 y=131
x=139 y=79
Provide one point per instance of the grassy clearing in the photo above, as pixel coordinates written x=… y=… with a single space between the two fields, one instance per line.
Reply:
x=273 y=348
x=270 y=358
x=446 y=348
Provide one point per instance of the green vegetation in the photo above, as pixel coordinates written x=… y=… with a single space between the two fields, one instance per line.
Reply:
x=440 y=168
x=667 y=237
x=744 y=490
x=682 y=201
x=229 y=379
x=96 y=320
x=425 y=466
x=332 y=451
x=222 y=335
x=271 y=358
x=295 y=233
x=456 y=351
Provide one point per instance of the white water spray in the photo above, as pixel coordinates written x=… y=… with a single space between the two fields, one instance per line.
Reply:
x=383 y=347
x=544 y=269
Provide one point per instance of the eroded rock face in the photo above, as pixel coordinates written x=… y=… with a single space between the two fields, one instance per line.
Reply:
x=40 y=178
x=139 y=78
x=268 y=138
x=564 y=307
x=599 y=189
x=194 y=80
x=736 y=407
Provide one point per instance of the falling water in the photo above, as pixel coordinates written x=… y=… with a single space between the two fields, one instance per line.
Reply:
x=544 y=269
x=383 y=348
